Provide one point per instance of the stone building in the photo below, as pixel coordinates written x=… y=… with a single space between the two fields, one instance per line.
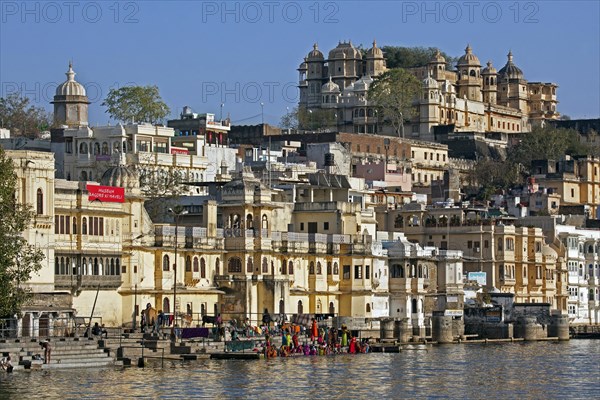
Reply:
x=468 y=99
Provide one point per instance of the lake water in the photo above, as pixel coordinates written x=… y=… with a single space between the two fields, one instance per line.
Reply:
x=538 y=370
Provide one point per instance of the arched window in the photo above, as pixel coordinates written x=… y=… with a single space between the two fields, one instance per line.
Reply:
x=319 y=270
x=165 y=262
x=56 y=266
x=84 y=226
x=74 y=225
x=96 y=148
x=202 y=268
x=250 y=265
x=188 y=264
x=336 y=269
x=414 y=306
x=249 y=223
x=291 y=268
x=265 y=222
x=328 y=267
x=265 y=265
x=234 y=265
x=95 y=269
x=311 y=268
x=284 y=267
x=218 y=266
x=196 y=269
x=368 y=308
x=40 y=201
x=104 y=148
x=83 y=148
x=300 y=307
x=331 y=308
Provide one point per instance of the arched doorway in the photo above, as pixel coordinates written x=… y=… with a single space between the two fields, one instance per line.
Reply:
x=331 y=308
x=44 y=325
x=300 y=307
x=166 y=305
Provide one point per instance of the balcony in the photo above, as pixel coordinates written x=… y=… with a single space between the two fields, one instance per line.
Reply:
x=77 y=282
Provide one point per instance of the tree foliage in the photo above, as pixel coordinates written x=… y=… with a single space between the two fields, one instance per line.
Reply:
x=547 y=143
x=18 y=259
x=491 y=176
x=22 y=118
x=393 y=93
x=161 y=187
x=410 y=57
x=136 y=104
x=290 y=120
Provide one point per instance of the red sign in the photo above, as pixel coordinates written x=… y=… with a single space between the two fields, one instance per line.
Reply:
x=106 y=194
x=179 y=151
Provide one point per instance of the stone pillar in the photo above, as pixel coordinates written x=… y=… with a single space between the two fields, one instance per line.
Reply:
x=403 y=330
x=559 y=327
x=528 y=329
x=386 y=330
x=441 y=331
x=35 y=326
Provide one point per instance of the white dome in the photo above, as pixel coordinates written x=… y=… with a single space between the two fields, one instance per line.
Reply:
x=330 y=87
x=430 y=83
x=70 y=87
x=362 y=85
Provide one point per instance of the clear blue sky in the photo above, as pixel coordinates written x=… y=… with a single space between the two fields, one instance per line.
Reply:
x=243 y=53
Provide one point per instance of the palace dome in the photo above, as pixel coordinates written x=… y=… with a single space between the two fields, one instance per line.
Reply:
x=374 y=52
x=330 y=87
x=315 y=54
x=121 y=176
x=70 y=87
x=510 y=70
x=345 y=50
x=468 y=58
x=489 y=69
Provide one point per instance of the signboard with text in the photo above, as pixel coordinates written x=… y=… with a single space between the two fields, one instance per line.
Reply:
x=179 y=151
x=106 y=194
x=479 y=277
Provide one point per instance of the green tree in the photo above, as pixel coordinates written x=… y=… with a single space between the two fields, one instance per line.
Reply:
x=290 y=119
x=18 y=259
x=493 y=175
x=393 y=93
x=136 y=104
x=314 y=119
x=547 y=143
x=410 y=57
x=22 y=118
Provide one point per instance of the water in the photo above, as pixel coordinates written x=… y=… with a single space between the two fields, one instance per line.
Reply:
x=540 y=370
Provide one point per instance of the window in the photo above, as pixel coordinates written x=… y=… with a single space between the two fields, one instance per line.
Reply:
x=196 y=268
x=250 y=265
x=397 y=271
x=367 y=272
x=40 y=202
x=346 y=270
x=165 y=262
x=319 y=268
x=301 y=226
x=311 y=268
x=326 y=226
x=358 y=272
x=265 y=265
x=188 y=264
x=202 y=268
x=328 y=267
x=84 y=226
x=291 y=268
x=234 y=265
x=336 y=269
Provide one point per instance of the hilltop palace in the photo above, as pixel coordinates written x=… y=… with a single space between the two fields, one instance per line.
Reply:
x=468 y=99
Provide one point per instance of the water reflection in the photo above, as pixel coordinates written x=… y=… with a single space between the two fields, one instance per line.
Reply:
x=528 y=370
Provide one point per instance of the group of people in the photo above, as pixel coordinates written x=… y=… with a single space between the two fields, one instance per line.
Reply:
x=6 y=364
x=322 y=342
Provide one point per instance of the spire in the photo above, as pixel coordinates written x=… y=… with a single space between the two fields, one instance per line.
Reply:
x=374 y=43
x=315 y=47
x=510 y=56
x=70 y=73
x=468 y=50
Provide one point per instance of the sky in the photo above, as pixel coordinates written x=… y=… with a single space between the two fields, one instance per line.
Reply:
x=243 y=53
